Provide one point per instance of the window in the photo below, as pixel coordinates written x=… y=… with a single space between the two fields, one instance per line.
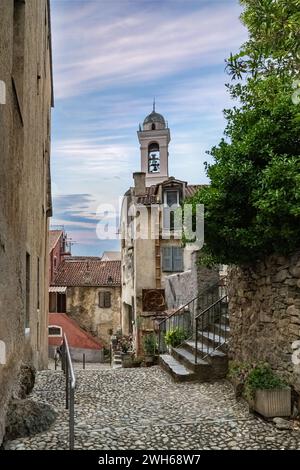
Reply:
x=153 y=127
x=27 y=307
x=172 y=259
x=61 y=303
x=153 y=158
x=104 y=299
x=171 y=202
x=54 y=330
x=57 y=302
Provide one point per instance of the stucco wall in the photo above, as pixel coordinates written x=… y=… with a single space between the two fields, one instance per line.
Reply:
x=264 y=312
x=181 y=288
x=83 y=306
x=24 y=154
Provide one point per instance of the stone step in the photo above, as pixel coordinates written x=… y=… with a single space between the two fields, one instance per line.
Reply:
x=220 y=329
x=187 y=358
x=217 y=359
x=212 y=338
x=178 y=371
x=203 y=349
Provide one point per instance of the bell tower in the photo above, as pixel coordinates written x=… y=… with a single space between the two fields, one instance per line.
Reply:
x=154 y=140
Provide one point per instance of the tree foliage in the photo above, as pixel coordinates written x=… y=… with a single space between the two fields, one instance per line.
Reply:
x=252 y=207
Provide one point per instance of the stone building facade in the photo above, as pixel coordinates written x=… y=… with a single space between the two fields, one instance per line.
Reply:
x=25 y=191
x=151 y=249
x=264 y=312
x=92 y=291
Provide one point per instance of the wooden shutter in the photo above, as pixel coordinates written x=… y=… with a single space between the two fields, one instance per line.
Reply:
x=107 y=299
x=101 y=299
x=167 y=258
x=177 y=258
x=104 y=299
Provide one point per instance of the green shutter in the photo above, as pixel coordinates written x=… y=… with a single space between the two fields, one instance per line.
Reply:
x=167 y=258
x=177 y=258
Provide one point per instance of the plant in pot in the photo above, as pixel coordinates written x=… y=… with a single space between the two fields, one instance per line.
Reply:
x=150 y=347
x=175 y=337
x=125 y=344
x=266 y=392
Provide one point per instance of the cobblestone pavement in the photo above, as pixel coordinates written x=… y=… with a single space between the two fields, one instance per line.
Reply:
x=144 y=409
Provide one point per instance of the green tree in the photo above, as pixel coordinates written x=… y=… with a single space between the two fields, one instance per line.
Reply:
x=252 y=207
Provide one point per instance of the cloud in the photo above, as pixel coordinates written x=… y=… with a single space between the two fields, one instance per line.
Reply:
x=110 y=59
x=139 y=45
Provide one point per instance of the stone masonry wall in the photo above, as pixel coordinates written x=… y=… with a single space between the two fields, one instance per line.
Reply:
x=264 y=311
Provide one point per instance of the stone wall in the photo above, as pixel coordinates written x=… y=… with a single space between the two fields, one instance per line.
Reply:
x=264 y=309
x=83 y=307
x=25 y=200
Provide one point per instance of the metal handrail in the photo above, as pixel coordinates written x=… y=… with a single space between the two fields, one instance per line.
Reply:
x=212 y=305
x=203 y=291
x=70 y=388
x=201 y=317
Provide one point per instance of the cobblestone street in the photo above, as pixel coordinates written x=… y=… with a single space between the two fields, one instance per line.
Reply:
x=144 y=409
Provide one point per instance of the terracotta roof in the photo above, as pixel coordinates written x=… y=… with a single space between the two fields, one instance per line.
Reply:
x=77 y=337
x=54 y=236
x=191 y=189
x=151 y=193
x=150 y=196
x=90 y=271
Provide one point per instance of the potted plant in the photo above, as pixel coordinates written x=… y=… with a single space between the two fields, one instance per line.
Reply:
x=125 y=344
x=266 y=392
x=150 y=347
x=175 y=337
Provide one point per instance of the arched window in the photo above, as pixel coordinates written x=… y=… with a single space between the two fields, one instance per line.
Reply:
x=54 y=330
x=153 y=158
x=153 y=127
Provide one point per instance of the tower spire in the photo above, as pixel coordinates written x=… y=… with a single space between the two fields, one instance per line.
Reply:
x=154 y=104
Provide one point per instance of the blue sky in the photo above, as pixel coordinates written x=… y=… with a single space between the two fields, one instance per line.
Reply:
x=110 y=58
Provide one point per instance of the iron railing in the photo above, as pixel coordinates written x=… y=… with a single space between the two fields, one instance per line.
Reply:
x=68 y=369
x=187 y=317
x=211 y=328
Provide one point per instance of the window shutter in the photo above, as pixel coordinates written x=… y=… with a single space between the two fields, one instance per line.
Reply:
x=167 y=258
x=101 y=299
x=177 y=258
x=107 y=301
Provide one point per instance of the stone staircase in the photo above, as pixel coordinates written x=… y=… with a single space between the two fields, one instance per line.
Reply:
x=207 y=359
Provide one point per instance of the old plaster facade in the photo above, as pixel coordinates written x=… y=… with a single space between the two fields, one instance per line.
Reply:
x=92 y=290
x=25 y=68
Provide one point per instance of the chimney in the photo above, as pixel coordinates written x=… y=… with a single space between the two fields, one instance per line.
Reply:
x=139 y=183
